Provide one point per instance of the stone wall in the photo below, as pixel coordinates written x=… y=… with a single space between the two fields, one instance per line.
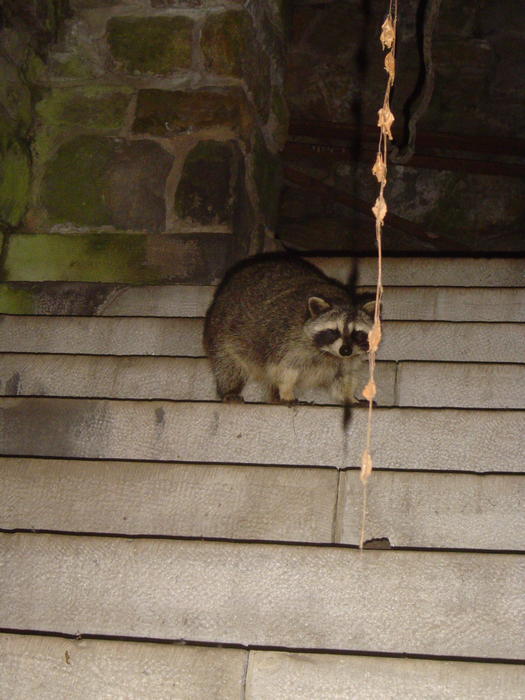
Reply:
x=335 y=73
x=27 y=28
x=335 y=67
x=162 y=116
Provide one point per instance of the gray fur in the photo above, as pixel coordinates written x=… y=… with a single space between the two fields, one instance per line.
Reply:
x=269 y=321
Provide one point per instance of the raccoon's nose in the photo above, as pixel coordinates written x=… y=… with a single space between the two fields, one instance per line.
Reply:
x=345 y=350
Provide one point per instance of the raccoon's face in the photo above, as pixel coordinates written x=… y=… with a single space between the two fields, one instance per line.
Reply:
x=339 y=331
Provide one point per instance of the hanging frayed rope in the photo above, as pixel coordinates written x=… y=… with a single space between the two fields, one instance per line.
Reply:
x=404 y=154
x=385 y=121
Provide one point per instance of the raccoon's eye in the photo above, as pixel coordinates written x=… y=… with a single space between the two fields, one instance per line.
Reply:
x=327 y=337
x=361 y=339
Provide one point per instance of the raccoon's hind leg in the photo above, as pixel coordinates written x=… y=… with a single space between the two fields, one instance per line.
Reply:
x=230 y=377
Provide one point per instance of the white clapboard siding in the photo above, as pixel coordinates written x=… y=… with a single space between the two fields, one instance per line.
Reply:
x=404 y=438
x=453 y=304
x=175 y=378
x=158 y=300
x=452 y=604
x=152 y=498
x=399 y=303
x=504 y=304
x=100 y=335
x=450 y=342
x=462 y=384
x=51 y=668
x=428 y=272
x=413 y=509
x=423 y=384
x=292 y=676
x=417 y=509
x=402 y=340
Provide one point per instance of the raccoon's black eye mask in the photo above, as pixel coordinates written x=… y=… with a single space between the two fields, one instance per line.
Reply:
x=326 y=337
x=360 y=338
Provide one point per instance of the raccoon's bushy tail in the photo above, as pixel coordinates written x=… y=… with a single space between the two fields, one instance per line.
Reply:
x=347 y=415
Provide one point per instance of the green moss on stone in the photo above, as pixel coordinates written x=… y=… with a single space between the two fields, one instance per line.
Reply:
x=75 y=180
x=226 y=39
x=96 y=181
x=35 y=68
x=74 y=66
x=96 y=108
x=120 y=258
x=15 y=182
x=230 y=47
x=15 y=301
x=156 y=45
x=92 y=107
x=81 y=258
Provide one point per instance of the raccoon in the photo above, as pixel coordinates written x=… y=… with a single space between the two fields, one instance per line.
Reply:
x=280 y=321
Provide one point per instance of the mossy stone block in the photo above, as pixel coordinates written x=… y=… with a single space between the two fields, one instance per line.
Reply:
x=63 y=110
x=101 y=181
x=88 y=258
x=230 y=47
x=15 y=301
x=15 y=183
x=75 y=182
x=120 y=258
x=225 y=41
x=168 y=112
x=136 y=185
x=72 y=66
x=35 y=68
x=94 y=107
x=206 y=191
x=158 y=45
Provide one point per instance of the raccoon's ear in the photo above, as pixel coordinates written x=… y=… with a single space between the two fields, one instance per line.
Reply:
x=317 y=306
x=369 y=307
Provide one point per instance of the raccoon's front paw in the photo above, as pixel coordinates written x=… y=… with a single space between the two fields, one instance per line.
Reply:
x=232 y=398
x=283 y=402
x=291 y=402
x=282 y=396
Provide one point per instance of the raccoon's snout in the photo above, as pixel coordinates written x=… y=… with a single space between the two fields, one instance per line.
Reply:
x=345 y=350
